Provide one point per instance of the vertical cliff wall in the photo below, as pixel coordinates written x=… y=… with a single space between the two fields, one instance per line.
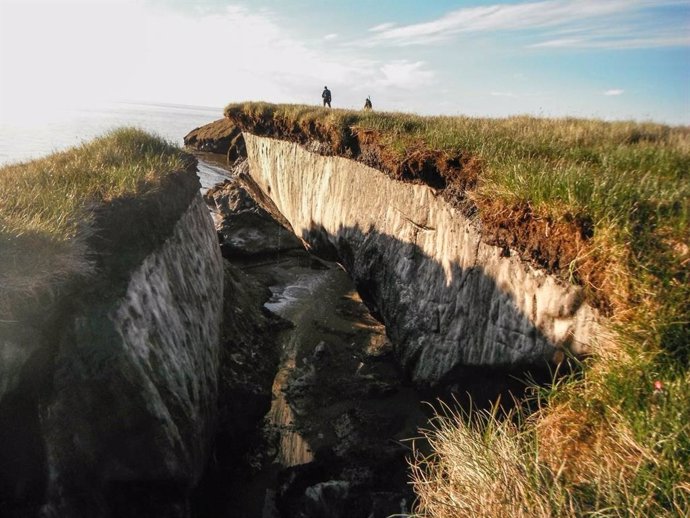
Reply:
x=114 y=402
x=448 y=299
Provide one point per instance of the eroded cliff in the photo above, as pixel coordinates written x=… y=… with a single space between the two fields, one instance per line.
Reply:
x=449 y=299
x=112 y=408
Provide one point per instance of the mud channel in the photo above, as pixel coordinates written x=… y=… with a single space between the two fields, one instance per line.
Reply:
x=334 y=436
x=336 y=441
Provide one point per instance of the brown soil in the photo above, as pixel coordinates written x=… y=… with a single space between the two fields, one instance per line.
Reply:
x=553 y=244
x=214 y=137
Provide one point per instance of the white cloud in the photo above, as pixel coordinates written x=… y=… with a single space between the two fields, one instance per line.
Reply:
x=620 y=42
x=82 y=54
x=382 y=27
x=573 y=15
x=503 y=94
x=614 y=91
x=331 y=36
x=560 y=43
x=404 y=74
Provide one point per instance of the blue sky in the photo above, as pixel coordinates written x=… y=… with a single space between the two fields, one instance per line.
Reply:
x=610 y=59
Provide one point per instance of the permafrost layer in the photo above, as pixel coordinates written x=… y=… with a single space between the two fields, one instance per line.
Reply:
x=127 y=395
x=448 y=299
x=151 y=368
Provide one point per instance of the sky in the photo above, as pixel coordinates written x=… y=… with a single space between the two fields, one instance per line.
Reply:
x=608 y=59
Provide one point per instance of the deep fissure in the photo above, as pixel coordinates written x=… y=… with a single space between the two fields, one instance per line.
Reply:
x=335 y=441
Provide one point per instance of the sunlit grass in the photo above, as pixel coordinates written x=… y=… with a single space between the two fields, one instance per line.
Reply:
x=46 y=205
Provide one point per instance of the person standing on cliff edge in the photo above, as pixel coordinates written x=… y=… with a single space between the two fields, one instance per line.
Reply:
x=326 y=96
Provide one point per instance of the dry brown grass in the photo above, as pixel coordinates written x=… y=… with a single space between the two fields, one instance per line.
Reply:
x=482 y=467
x=582 y=447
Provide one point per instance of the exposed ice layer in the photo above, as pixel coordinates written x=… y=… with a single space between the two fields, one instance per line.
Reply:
x=134 y=387
x=448 y=299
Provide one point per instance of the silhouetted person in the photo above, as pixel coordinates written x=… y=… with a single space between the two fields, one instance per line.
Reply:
x=367 y=104
x=326 y=96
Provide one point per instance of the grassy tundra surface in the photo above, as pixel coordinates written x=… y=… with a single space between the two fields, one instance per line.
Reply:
x=603 y=204
x=47 y=207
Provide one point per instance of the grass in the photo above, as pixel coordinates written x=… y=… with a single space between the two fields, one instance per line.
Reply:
x=601 y=445
x=46 y=206
x=599 y=442
x=557 y=165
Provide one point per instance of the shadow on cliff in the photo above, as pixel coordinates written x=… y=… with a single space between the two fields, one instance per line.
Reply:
x=420 y=303
x=355 y=418
x=121 y=234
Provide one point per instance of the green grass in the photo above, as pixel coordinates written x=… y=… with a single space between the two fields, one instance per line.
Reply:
x=631 y=180
x=557 y=165
x=46 y=205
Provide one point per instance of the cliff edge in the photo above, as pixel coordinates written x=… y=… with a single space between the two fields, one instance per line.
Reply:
x=110 y=373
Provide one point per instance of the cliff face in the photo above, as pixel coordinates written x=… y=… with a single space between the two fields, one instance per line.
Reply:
x=221 y=136
x=449 y=299
x=114 y=397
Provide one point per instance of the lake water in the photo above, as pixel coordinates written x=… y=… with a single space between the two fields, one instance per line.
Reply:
x=62 y=129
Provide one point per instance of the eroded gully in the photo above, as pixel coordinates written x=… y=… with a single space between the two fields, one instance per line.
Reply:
x=336 y=440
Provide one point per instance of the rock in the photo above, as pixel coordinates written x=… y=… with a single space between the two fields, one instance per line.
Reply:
x=215 y=137
x=319 y=351
x=327 y=500
x=245 y=229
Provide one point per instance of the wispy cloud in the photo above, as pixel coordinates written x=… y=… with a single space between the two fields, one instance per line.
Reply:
x=331 y=36
x=622 y=41
x=382 y=27
x=404 y=74
x=614 y=92
x=503 y=94
x=590 y=20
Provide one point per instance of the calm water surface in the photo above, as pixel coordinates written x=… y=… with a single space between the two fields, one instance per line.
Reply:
x=33 y=138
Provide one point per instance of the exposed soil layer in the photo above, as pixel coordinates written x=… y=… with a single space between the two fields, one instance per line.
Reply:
x=541 y=240
x=546 y=242
x=221 y=136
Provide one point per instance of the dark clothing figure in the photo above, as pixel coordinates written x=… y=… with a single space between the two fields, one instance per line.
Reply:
x=326 y=96
x=367 y=105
